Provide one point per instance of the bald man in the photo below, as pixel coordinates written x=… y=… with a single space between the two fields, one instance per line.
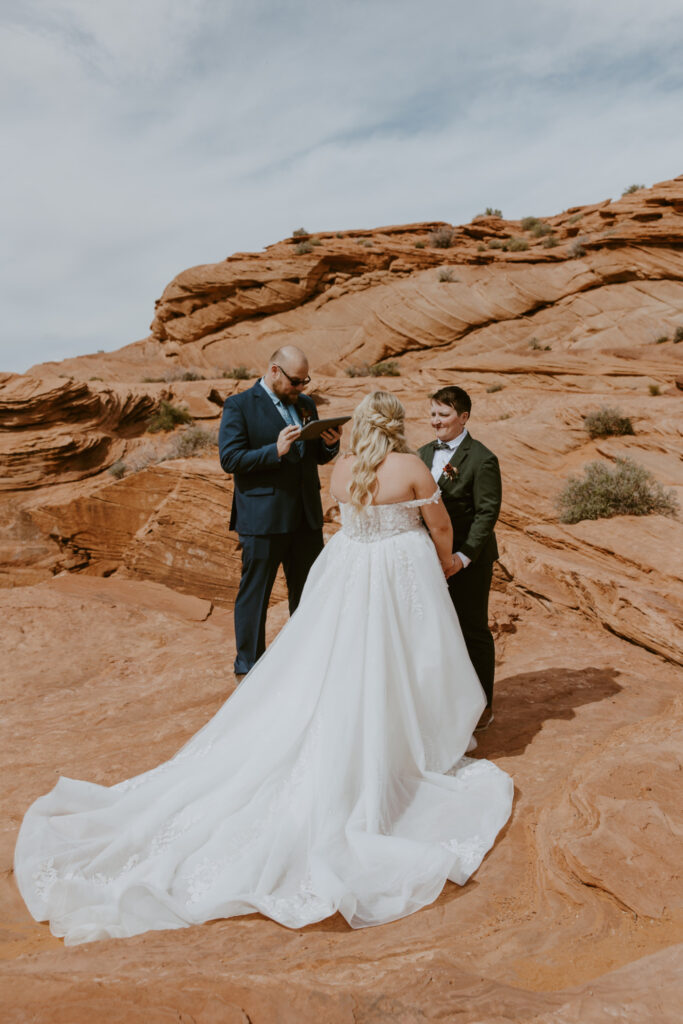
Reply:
x=276 y=506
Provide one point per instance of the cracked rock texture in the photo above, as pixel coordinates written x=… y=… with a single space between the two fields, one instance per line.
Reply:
x=116 y=596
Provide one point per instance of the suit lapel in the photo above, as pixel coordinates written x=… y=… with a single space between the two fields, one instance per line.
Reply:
x=457 y=458
x=266 y=407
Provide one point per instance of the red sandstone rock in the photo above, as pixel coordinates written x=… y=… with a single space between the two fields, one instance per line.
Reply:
x=117 y=626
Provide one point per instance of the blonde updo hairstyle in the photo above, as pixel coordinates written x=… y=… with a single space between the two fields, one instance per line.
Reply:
x=378 y=428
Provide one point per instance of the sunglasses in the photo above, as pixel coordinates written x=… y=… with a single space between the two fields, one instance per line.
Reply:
x=296 y=382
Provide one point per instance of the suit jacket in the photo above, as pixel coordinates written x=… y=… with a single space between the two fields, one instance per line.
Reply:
x=472 y=495
x=271 y=495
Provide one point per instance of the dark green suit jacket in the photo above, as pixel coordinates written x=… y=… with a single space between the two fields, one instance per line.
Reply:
x=471 y=492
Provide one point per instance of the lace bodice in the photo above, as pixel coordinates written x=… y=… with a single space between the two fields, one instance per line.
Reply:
x=377 y=522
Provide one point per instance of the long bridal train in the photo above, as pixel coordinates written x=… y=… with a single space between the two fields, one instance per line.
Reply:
x=319 y=786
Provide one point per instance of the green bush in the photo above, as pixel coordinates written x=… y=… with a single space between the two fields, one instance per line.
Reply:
x=493 y=388
x=576 y=249
x=661 y=339
x=239 y=373
x=628 y=489
x=117 y=469
x=168 y=417
x=446 y=274
x=607 y=422
x=516 y=245
x=654 y=389
x=540 y=229
x=550 y=241
x=481 y=247
x=678 y=335
x=631 y=189
x=535 y=344
x=491 y=211
x=366 y=242
x=300 y=233
x=529 y=222
x=442 y=238
x=316 y=241
x=496 y=243
x=575 y=217
x=419 y=244
x=191 y=441
x=302 y=248
x=390 y=368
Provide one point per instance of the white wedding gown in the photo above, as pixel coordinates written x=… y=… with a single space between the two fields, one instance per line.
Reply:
x=321 y=785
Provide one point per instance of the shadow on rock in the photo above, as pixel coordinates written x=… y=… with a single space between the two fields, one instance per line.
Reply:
x=522 y=703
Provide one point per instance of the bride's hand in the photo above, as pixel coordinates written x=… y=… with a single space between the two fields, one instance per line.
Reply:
x=450 y=568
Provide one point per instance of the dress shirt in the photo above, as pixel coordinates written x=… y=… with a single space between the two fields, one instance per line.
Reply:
x=441 y=457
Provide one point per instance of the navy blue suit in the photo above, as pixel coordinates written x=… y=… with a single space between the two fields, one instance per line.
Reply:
x=276 y=508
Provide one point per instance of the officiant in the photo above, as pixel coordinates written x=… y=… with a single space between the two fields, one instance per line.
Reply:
x=276 y=507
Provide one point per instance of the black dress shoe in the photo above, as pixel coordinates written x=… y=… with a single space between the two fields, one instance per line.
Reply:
x=485 y=720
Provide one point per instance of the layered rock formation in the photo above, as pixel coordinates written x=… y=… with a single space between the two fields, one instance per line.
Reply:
x=118 y=592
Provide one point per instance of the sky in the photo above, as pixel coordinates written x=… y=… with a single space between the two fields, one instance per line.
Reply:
x=142 y=137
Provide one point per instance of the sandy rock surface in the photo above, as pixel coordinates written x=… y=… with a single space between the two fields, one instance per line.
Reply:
x=116 y=597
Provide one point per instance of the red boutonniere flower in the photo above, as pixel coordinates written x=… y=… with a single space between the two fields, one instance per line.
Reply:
x=304 y=414
x=452 y=472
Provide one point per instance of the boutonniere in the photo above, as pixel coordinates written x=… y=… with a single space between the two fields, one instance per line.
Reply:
x=452 y=472
x=304 y=414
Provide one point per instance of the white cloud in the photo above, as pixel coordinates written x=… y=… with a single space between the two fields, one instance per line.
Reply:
x=144 y=136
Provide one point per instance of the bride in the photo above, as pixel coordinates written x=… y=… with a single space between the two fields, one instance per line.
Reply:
x=326 y=782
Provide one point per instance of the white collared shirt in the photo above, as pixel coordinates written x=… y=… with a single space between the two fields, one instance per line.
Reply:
x=441 y=457
x=290 y=415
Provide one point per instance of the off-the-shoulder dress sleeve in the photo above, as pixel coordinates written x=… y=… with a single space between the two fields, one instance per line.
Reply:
x=417 y=502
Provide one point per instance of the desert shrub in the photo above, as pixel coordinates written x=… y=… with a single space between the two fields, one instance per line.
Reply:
x=188 y=442
x=340 y=234
x=516 y=245
x=239 y=373
x=654 y=389
x=117 y=469
x=191 y=375
x=316 y=241
x=300 y=233
x=302 y=248
x=576 y=249
x=167 y=417
x=540 y=229
x=481 y=247
x=678 y=335
x=491 y=211
x=628 y=489
x=550 y=241
x=496 y=243
x=575 y=217
x=607 y=422
x=442 y=238
x=529 y=222
x=535 y=344
x=366 y=242
x=388 y=368
x=419 y=244
x=95 y=378
x=445 y=274
x=661 y=339
x=493 y=388
x=505 y=416
x=631 y=189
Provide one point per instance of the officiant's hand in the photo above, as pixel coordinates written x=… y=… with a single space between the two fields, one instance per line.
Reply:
x=286 y=438
x=332 y=437
x=455 y=565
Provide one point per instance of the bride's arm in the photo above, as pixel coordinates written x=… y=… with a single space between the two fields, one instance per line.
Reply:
x=435 y=515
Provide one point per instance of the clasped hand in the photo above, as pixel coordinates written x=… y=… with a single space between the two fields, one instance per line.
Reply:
x=450 y=568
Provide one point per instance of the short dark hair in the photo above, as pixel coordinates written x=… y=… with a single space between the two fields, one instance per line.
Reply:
x=456 y=397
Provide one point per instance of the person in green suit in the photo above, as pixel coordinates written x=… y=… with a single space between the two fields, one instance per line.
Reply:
x=468 y=476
